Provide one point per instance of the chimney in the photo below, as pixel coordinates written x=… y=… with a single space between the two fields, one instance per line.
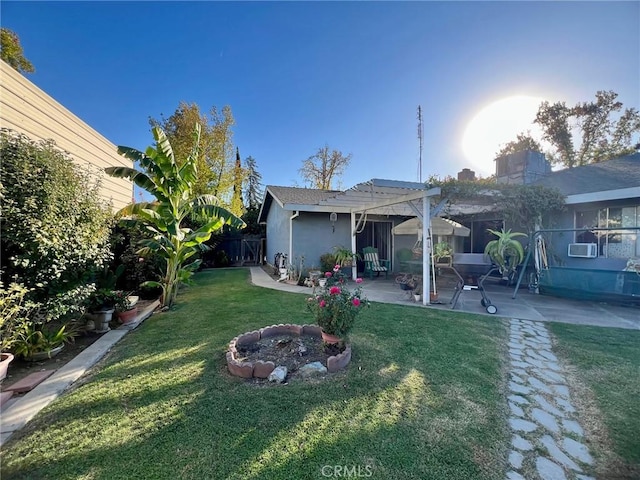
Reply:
x=466 y=175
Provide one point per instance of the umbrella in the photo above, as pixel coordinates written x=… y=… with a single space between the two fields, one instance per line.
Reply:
x=439 y=226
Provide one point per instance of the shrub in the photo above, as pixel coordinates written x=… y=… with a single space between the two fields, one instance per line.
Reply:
x=55 y=227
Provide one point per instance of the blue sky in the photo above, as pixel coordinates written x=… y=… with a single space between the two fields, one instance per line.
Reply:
x=299 y=75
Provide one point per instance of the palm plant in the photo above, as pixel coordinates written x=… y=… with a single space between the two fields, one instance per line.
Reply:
x=171 y=182
x=506 y=252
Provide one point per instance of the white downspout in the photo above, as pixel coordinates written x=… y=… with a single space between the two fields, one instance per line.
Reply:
x=295 y=215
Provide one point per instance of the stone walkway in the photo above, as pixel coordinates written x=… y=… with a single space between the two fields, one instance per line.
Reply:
x=547 y=441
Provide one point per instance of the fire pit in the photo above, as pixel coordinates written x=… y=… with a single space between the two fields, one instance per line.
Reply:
x=258 y=353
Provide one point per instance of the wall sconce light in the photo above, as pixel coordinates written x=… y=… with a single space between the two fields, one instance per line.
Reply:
x=333 y=218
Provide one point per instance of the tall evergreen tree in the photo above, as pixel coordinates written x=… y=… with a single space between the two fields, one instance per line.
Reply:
x=237 y=206
x=253 y=183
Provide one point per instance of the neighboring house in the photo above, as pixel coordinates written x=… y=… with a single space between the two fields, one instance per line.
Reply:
x=27 y=109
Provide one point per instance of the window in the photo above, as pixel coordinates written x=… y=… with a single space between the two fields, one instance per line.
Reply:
x=611 y=244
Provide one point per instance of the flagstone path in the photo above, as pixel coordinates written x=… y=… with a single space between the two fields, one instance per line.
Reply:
x=547 y=440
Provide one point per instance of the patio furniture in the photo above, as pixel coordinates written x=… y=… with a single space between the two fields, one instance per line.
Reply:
x=373 y=264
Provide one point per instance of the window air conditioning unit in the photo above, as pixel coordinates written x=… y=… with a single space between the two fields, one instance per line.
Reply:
x=583 y=250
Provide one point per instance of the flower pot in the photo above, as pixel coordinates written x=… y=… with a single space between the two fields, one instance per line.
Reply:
x=39 y=356
x=128 y=316
x=330 y=339
x=417 y=297
x=322 y=282
x=433 y=297
x=5 y=360
x=101 y=320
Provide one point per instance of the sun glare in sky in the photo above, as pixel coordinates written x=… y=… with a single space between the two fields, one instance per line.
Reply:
x=494 y=126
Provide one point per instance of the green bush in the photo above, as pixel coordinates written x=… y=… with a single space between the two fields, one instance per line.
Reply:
x=55 y=227
x=327 y=262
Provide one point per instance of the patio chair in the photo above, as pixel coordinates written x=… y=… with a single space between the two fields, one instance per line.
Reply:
x=373 y=264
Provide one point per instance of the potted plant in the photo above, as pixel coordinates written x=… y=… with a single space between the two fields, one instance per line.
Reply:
x=37 y=342
x=126 y=310
x=442 y=253
x=344 y=256
x=13 y=319
x=101 y=306
x=505 y=251
x=335 y=309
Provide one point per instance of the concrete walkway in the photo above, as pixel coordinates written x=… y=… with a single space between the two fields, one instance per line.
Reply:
x=20 y=410
x=526 y=305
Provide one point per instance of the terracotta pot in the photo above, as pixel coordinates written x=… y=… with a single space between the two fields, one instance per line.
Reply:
x=433 y=297
x=128 y=316
x=5 y=360
x=331 y=339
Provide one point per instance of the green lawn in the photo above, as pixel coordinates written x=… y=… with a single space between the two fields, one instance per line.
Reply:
x=422 y=398
x=607 y=362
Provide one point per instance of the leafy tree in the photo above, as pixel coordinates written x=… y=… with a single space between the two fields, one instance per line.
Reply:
x=237 y=207
x=320 y=169
x=253 y=183
x=601 y=136
x=55 y=226
x=215 y=169
x=11 y=51
x=171 y=181
x=523 y=141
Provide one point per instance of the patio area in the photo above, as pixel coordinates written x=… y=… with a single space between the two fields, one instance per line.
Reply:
x=526 y=305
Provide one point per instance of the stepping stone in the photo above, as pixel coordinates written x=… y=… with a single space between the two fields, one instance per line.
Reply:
x=515 y=351
x=520 y=364
x=565 y=404
x=557 y=454
x=545 y=419
x=30 y=382
x=551 y=376
x=561 y=390
x=518 y=399
x=518 y=371
x=522 y=425
x=520 y=443
x=515 y=358
x=549 y=470
x=514 y=476
x=5 y=396
x=534 y=362
x=515 y=459
x=532 y=354
x=547 y=407
x=554 y=366
x=538 y=385
x=516 y=410
x=517 y=388
x=548 y=355
x=584 y=477
x=577 y=450
x=573 y=427
x=516 y=378
x=516 y=346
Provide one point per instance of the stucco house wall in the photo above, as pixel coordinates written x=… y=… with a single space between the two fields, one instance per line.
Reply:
x=27 y=109
x=277 y=231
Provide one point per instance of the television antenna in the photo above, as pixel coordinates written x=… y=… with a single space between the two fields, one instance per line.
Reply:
x=420 y=141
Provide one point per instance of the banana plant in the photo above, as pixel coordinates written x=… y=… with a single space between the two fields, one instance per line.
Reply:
x=506 y=252
x=171 y=182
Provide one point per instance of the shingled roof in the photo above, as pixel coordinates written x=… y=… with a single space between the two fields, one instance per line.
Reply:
x=309 y=196
x=615 y=174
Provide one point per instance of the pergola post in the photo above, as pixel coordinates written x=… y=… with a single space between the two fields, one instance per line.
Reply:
x=354 y=263
x=426 y=250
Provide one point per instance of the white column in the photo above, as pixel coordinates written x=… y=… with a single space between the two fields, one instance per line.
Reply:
x=426 y=249
x=354 y=264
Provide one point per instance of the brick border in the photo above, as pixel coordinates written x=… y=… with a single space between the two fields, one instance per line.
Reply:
x=262 y=369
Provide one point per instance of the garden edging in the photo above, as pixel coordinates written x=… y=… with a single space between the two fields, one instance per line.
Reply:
x=20 y=412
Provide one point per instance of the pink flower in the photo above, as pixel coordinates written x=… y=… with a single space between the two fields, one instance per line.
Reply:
x=334 y=291
x=356 y=302
x=336 y=268
x=328 y=274
x=322 y=303
x=358 y=280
